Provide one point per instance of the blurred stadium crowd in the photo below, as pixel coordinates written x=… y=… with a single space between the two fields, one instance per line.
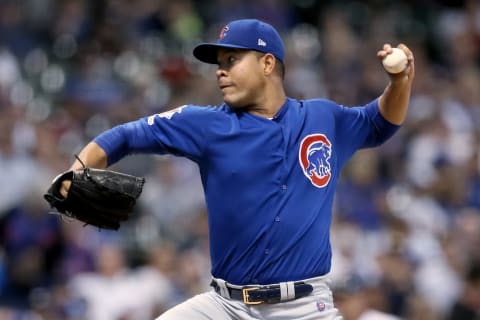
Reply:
x=406 y=234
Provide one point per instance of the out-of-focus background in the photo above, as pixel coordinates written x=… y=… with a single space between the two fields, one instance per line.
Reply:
x=406 y=234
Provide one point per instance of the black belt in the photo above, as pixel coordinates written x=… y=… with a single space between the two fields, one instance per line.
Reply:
x=264 y=294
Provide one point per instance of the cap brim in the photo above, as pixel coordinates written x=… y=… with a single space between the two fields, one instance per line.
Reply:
x=207 y=52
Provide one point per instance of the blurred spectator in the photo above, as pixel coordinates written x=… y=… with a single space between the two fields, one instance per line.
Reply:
x=78 y=254
x=176 y=184
x=361 y=190
x=19 y=170
x=357 y=300
x=154 y=291
x=32 y=246
x=9 y=72
x=105 y=291
x=467 y=307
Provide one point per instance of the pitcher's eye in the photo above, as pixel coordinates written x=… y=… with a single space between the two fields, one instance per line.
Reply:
x=228 y=60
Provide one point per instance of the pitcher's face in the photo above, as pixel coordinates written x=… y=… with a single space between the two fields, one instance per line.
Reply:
x=240 y=76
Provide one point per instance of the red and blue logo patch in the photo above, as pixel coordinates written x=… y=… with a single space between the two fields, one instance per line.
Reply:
x=314 y=157
x=223 y=32
x=321 y=306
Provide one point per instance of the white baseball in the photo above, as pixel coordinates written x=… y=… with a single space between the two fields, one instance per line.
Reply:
x=396 y=61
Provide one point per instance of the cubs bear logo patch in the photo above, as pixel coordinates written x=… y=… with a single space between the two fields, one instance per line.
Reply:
x=314 y=157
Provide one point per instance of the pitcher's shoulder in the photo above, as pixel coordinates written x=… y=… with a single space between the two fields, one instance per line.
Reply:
x=320 y=106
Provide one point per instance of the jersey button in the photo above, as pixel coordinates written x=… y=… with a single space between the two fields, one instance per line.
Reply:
x=277 y=219
x=267 y=251
x=284 y=187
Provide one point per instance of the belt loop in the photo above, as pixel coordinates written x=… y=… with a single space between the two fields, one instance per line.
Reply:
x=222 y=284
x=283 y=291
x=287 y=290
x=290 y=290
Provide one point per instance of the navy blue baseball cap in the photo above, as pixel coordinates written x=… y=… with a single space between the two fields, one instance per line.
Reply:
x=249 y=34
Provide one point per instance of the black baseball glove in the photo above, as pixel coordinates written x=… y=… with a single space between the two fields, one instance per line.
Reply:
x=101 y=198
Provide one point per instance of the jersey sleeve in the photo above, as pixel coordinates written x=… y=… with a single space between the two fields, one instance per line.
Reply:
x=362 y=127
x=180 y=132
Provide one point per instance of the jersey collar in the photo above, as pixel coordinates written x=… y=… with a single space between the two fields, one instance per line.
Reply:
x=277 y=117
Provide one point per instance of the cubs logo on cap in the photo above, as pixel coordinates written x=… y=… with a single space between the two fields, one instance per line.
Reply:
x=314 y=157
x=223 y=32
x=248 y=34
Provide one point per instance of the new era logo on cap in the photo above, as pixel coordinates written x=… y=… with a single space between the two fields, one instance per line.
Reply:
x=249 y=34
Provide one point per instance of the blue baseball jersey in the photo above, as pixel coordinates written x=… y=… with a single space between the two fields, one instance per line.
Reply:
x=269 y=183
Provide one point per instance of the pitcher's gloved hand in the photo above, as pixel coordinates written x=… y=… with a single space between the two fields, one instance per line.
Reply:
x=102 y=198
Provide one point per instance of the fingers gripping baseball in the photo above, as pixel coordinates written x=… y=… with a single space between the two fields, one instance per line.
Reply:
x=398 y=61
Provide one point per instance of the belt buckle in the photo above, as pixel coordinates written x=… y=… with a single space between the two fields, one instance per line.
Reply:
x=246 y=296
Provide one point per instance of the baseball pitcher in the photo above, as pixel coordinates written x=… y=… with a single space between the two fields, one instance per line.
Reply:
x=269 y=165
